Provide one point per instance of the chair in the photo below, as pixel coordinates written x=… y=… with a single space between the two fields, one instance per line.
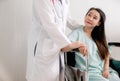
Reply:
x=115 y=64
x=72 y=73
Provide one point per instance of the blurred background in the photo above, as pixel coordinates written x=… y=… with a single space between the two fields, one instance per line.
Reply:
x=15 y=22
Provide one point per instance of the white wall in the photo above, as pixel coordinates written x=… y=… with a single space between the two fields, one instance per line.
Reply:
x=15 y=21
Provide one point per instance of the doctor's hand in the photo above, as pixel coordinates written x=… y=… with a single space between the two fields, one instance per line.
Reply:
x=83 y=50
x=106 y=73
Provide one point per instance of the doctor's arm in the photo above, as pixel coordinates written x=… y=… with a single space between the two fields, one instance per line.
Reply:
x=73 y=45
x=72 y=23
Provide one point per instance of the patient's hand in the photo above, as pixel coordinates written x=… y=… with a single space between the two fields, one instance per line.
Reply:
x=106 y=73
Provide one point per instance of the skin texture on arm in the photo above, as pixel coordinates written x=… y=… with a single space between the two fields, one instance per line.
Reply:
x=71 y=46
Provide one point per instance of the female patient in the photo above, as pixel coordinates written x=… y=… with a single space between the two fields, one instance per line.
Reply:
x=93 y=36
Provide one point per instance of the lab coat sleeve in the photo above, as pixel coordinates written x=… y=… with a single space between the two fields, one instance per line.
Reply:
x=45 y=13
x=71 y=23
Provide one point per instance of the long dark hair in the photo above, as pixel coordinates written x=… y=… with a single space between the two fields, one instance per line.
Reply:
x=98 y=34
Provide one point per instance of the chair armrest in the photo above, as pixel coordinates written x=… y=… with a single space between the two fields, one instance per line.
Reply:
x=114 y=44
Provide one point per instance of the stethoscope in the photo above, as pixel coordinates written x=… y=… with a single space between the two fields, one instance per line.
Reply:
x=58 y=5
x=58 y=0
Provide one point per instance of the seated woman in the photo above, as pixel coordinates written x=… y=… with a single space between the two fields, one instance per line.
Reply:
x=94 y=44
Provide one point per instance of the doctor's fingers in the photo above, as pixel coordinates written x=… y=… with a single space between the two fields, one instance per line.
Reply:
x=83 y=50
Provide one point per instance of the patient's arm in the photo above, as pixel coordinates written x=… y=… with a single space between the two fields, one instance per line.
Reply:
x=106 y=67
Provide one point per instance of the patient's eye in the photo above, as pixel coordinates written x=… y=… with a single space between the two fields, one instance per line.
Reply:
x=95 y=18
x=89 y=15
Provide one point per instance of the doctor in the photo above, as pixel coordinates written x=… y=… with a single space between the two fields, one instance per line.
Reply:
x=46 y=38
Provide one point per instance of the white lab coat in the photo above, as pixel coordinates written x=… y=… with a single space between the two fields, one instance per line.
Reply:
x=46 y=38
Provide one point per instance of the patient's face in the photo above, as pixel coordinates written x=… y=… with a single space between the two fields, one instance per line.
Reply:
x=92 y=19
